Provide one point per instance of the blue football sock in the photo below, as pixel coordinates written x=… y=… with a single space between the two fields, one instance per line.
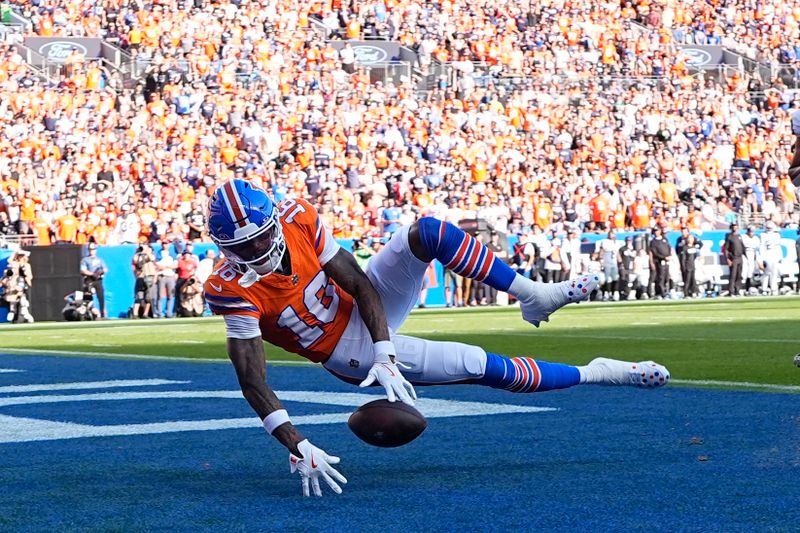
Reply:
x=525 y=374
x=462 y=254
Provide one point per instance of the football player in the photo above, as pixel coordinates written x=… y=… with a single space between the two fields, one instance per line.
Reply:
x=287 y=281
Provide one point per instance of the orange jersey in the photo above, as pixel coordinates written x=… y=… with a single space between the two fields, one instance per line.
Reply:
x=303 y=312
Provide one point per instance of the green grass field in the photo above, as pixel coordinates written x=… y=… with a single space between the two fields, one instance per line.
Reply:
x=743 y=340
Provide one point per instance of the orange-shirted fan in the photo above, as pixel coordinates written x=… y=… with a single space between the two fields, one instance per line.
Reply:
x=301 y=311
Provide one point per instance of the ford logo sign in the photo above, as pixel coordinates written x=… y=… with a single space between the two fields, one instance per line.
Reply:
x=58 y=51
x=369 y=54
x=696 y=57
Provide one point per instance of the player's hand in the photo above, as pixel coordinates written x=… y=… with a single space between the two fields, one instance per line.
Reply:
x=386 y=372
x=315 y=464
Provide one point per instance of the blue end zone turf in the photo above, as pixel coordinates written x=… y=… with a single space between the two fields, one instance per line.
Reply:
x=607 y=459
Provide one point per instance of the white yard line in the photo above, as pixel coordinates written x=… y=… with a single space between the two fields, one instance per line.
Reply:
x=568 y=334
x=83 y=385
x=737 y=384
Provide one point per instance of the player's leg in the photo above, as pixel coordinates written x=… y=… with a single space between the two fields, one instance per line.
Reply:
x=440 y=363
x=397 y=276
x=430 y=238
x=434 y=362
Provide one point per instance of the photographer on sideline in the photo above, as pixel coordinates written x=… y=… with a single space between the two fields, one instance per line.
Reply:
x=15 y=287
x=79 y=306
x=144 y=270
x=191 y=299
x=186 y=267
x=93 y=269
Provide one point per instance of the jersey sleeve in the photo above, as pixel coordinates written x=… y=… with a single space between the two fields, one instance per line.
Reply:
x=325 y=245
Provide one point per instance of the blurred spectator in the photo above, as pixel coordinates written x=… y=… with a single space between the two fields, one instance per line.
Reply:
x=186 y=269
x=660 y=252
x=144 y=272
x=167 y=278
x=752 y=247
x=15 y=286
x=93 y=269
x=206 y=266
x=734 y=255
x=190 y=298
x=627 y=256
x=688 y=251
x=770 y=255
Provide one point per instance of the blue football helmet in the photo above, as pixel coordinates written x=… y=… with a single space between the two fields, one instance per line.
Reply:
x=243 y=222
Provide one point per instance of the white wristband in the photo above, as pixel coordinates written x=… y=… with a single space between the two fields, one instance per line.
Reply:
x=385 y=348
x=275 y=419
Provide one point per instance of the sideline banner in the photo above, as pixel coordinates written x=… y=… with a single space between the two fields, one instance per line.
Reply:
x=58 y=49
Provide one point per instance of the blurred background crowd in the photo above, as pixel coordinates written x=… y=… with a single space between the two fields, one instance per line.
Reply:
x=553 y=116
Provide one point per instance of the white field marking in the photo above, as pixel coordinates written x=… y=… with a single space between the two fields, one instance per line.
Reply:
x=100 y=345
x=189 y=341
x=144 y=357
x=82 y=385
x=645 y=323
x=517 y=333
x=738 y=384
x=113 y=323
x=9 y=371
x=17 y=429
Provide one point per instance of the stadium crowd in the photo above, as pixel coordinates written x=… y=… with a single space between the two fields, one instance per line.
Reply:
x=562 y=116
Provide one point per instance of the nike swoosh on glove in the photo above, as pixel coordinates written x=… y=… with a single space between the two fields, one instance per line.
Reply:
x=386 y=372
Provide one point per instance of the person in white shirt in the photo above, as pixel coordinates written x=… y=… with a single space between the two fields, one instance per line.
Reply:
x=206 y=266
x=167 y=276
x=573 y=248
x=771 y=254
x=556 y=260
x=751 y=247
x=609 y=257
x=641 y=274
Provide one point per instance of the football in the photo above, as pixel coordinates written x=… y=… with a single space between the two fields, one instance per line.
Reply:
x=387 y=424
x=797 y=360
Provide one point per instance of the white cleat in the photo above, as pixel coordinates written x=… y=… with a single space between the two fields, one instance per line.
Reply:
x=645 y=374
x=547 y=298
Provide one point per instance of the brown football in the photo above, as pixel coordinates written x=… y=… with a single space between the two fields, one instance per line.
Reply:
x=387 y=424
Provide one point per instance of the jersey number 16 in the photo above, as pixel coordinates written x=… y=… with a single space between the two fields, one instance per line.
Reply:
x=321 y=301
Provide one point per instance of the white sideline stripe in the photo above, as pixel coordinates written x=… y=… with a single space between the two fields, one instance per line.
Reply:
x=517 y=333
x=18 y=429
x=739 y=384
x=9 y=371
x=144 y=357
x=82 y=385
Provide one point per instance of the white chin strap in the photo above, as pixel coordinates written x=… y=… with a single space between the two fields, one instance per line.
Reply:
x=249 y=278
x=254 y=273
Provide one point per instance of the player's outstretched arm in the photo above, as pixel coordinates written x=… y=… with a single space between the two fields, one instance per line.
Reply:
x=344 y=270
x=311 y=462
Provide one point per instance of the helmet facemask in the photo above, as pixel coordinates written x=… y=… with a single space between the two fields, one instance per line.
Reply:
x=258 y=255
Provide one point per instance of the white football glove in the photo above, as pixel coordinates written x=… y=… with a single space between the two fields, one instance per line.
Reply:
x=315 y=464
x=387 y=373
